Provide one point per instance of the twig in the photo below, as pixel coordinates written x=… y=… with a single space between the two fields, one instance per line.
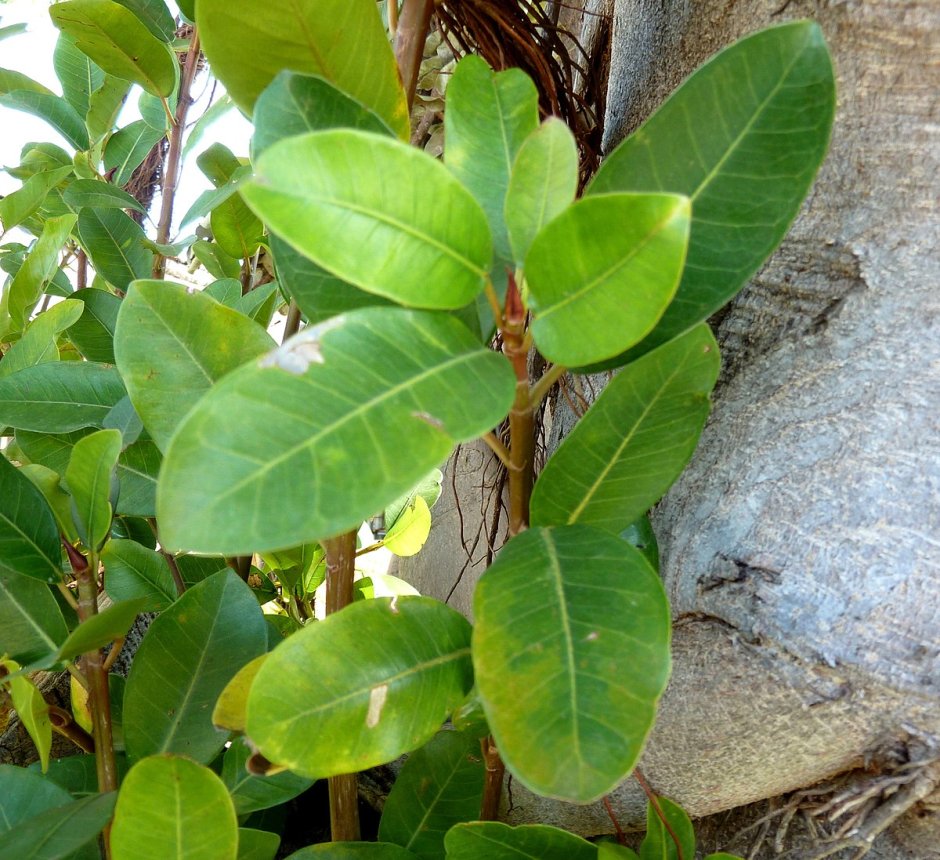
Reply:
x=412 y=32
x=654 y=802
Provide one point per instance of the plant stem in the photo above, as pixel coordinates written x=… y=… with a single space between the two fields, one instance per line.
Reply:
x=544 y=385
x=492 y=780
x=171 y=169
x=292 y=324
x=340 y=574
x=657 y=808
x=498 y=448
x=63 y=723
x=413 y=26
x=178 y=580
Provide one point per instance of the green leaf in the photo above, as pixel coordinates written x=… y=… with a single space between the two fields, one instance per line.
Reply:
x=15 y=208
x=93 y=332
x=38 y=344
x=440 y=785
x=12 y=30
x=342 y=40
x=257 y=844
x=127 y=149
x=206 y=636
x=380 y=585
x=219 y=164
x=54 y=109
x=155 y=16
x=570 y=690
x=89 y=477
x=208 y=200
x=113 y=242
x=238 y=231
x=542 y=185
x=318 y=294
x=613 y=851
x=170 y=808
x=101 y=629
x=658 y=843
x=137 y=467
x=59 y=396
x=118 y=42
x=320 y=685
x=497 y=841
x=25 y=794
x=67 y=831
x=250 y=792
x=293 y=104
x=134 y=572
x=634 y=441
x=31 y=623
x=99 y=195
x=352 y=851
x=32 y=708
x=37 y=270
x=217 y=262
x=77 y=773
x=219 y=108
x=488 y=117
x=332 y=193
x=104 y=106
x=769 y=100
x=172 y=345
x=429 y=488
x=153 y=111
x=411 y=529
x=428 y=386
x=50 y=485
x=231 y=708
x=601 y=274
x=641 y=535
x=11 y=80
x=29 y=538
x=79 y=76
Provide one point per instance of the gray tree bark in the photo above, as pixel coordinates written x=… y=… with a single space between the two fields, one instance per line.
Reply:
x=801 y=549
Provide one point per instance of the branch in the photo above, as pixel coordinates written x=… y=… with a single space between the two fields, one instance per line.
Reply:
x=413 y=26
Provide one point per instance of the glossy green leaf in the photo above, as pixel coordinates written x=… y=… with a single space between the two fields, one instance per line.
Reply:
x=134 y=572
x=49 y=484
x=219 y=164
x=38 y=344
x=381 y=585
x=488 y=117
x=641 y=535
x=601 y=274
x=543 y=182
x=31 y=623
x=257 y=844
x=66 y=831
x=172 y=345
x=429 y=385
x=31 y=707
x=37 y=270
x=342 y=40
x=25 y=794
x=260 y=303
x=429 y=488
x=410 y=531
x=99 y=195
x=293 y=104
x=90 y=477
x=352 y=851
x=155 y=16
x=218 y=109
x=118 y=42
x=321 y=685
x=231 y=708
x=571 y=654
x=497 y=841
x=613 y=851
x=15 y=208
x=79 y=76
x=112 y=240
x=77 y=773
x=249 y=792
x=29 y=538
x=101 y=629
x=59 y=396
x=237 y=230
x=439 y=786
x=217 y=262
x=771 y=97
x=634 y=441
x=331 y=194
x=93 y=332
x=208 y=200
x=11 y=80
x=127 y=149
x=54 y=109
x=206 y=636
x=153 y=111
x=12 y=30
x=658 y=844
x=104 y=105
x=171 y=808
x=137 y=467
x=318 y=294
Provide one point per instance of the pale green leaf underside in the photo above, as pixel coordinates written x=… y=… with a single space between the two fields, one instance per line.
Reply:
x=634 y=441
x=769 y=100
x=323 y=704
x=571 y=654
x=342 y=40
x=335 y=438
x=377 y=213
x=601 y=274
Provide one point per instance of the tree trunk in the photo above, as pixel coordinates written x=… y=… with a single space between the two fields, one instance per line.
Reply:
x=801 y=549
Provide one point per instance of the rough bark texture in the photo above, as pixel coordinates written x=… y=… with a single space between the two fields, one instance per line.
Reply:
x=801 y=549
